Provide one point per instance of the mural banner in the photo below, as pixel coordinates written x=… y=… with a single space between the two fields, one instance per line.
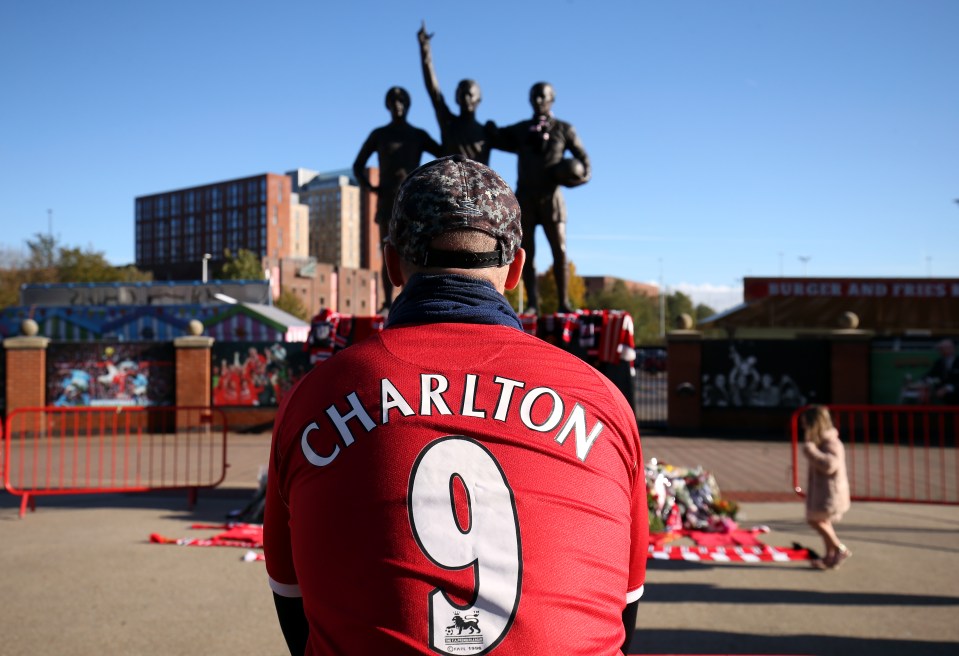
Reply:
x=765 y=373
x=110 y=373
x=256 y=373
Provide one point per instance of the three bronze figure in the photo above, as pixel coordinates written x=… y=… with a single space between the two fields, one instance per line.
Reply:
x=540 y=144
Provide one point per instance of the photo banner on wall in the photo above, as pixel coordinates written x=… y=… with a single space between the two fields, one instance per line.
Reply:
x=765 y=373
x=110 y=374
x=256 y=373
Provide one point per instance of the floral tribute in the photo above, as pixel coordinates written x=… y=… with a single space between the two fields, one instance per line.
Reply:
x=686 y=498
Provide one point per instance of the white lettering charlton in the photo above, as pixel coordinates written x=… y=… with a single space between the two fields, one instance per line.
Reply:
x=540 y=409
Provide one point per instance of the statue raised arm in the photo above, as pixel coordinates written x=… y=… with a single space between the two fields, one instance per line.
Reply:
x=460 y=134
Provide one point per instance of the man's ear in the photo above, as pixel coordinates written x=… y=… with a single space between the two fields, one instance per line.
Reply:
x=391 y=258
x=515 y=269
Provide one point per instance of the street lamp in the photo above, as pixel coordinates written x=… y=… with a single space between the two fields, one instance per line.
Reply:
x=206 y=258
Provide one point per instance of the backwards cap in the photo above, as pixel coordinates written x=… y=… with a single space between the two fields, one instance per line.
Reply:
x=454 y=193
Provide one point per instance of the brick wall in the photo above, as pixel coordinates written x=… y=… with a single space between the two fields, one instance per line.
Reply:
x=193 y=371
x=26 y=372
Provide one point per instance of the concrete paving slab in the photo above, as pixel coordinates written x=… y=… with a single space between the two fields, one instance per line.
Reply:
x=79 y=576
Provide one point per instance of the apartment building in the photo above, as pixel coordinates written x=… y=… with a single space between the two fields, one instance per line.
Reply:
x=307 y=229
x=182 y=233
x=333 y=202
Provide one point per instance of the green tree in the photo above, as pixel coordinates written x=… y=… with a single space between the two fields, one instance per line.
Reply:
x=43 y=252
x=76 y=265
x=703 y=311
x=49 y=262
x=546 y=287
x=679 y=303
x=289 y=302
x=643 y=309
x=10 y=281
x=245 y=265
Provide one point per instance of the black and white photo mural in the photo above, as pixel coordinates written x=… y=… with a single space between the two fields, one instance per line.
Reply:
x=765 y=373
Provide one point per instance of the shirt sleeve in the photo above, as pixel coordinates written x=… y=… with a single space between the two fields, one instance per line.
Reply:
x=639 y=529
x=625 y=424
x=277 y=546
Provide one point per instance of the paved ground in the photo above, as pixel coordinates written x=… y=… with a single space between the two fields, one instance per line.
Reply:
x=79 y=577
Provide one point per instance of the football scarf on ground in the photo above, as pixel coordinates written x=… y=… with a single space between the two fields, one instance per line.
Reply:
x=728 y=554
x=738 y=547
x=735 y=546
x=248 y=536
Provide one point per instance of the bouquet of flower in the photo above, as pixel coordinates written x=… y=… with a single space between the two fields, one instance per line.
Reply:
x=681 y=497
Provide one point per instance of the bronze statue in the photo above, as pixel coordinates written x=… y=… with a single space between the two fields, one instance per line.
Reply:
x=399 y=147
x=463 y=134
x=541 y=143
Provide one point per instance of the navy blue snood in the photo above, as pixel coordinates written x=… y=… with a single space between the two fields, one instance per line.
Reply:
x=450 y=298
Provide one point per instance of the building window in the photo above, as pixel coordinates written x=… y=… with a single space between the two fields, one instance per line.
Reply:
x=174 y=240
x=217 y=195
x=212 y=233
x=233 y=195
x=174 y=204
x=190 y=237
x=161 y=242
x=161 y=207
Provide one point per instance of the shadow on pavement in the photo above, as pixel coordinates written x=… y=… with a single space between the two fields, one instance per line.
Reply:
x=656 y=641
x=702 y=593
x=209 y=506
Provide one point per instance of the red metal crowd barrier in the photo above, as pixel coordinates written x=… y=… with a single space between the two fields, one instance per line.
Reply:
x=902 y=453
x=86 y=450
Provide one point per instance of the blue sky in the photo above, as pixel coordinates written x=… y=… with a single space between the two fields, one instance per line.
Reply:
x=728 y=138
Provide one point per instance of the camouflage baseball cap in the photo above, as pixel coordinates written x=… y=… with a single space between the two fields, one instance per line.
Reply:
x=454 y=193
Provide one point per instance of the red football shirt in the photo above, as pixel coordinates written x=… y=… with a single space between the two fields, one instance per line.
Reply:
x=457 y=488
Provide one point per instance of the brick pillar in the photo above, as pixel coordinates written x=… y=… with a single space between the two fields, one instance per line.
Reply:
x=684 y=379
x=849 y=366
x=193 y=380
x=193 y=377
x=26 y=375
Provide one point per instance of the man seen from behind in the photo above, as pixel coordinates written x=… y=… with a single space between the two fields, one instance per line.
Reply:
x=453 y=484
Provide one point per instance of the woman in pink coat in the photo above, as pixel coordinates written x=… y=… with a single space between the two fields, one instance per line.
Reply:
x=827 y=488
